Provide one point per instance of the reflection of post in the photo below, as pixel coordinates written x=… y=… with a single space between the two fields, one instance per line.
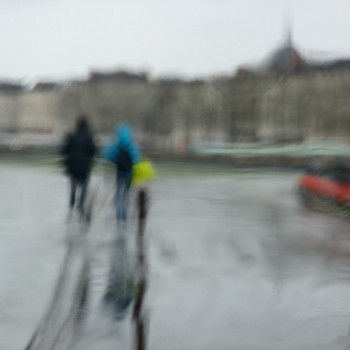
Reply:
x=139 y=315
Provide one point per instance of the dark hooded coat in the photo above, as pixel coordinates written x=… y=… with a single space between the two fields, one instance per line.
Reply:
x=78 y=151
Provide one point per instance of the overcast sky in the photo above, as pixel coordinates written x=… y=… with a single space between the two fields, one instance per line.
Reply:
x=57 y=39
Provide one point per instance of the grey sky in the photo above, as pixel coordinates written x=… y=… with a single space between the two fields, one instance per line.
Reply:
x=44 y=39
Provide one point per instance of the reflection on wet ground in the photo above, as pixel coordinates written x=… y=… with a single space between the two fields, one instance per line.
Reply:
x=234 y=262
x=240 y=264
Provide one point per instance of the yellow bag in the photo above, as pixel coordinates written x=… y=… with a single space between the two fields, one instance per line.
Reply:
x=143 y=172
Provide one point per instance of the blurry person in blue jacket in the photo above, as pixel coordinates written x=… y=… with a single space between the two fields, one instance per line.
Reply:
x=124 y=153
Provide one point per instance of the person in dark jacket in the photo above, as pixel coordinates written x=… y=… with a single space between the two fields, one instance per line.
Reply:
x=78 y=151
x=124 y=153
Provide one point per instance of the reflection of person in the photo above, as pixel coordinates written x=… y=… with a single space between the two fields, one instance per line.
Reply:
x=78 y=151
x=120 y=290
x=124 y=153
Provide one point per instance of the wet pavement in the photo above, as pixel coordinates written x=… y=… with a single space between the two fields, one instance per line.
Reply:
x=234 y=263
x=32 y=231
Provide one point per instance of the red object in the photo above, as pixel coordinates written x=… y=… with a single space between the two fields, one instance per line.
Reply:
x=326 y=188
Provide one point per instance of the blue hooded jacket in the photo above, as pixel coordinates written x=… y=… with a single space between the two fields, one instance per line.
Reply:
x=122 y=138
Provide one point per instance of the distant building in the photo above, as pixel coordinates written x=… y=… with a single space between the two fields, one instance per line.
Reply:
x=331 y=66
x=118 y=76
x=288 y=60
x=46 y=86
x=10 y=87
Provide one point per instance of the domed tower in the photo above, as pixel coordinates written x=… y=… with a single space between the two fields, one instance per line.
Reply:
x=286 y=59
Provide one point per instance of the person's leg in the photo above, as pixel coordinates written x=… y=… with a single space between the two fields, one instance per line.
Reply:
x=83 y=188
x=126 y=188
x=119 y=195
x=73 y=189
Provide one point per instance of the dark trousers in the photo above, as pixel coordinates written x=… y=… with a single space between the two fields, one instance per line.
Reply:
x=78 y=186
x=122 y=196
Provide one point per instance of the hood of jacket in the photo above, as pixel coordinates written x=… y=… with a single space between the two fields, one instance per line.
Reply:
x=123 y=134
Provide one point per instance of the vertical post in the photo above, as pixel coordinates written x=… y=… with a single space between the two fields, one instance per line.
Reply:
x=138 y=314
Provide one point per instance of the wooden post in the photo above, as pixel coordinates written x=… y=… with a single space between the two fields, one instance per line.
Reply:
x=139 y=314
